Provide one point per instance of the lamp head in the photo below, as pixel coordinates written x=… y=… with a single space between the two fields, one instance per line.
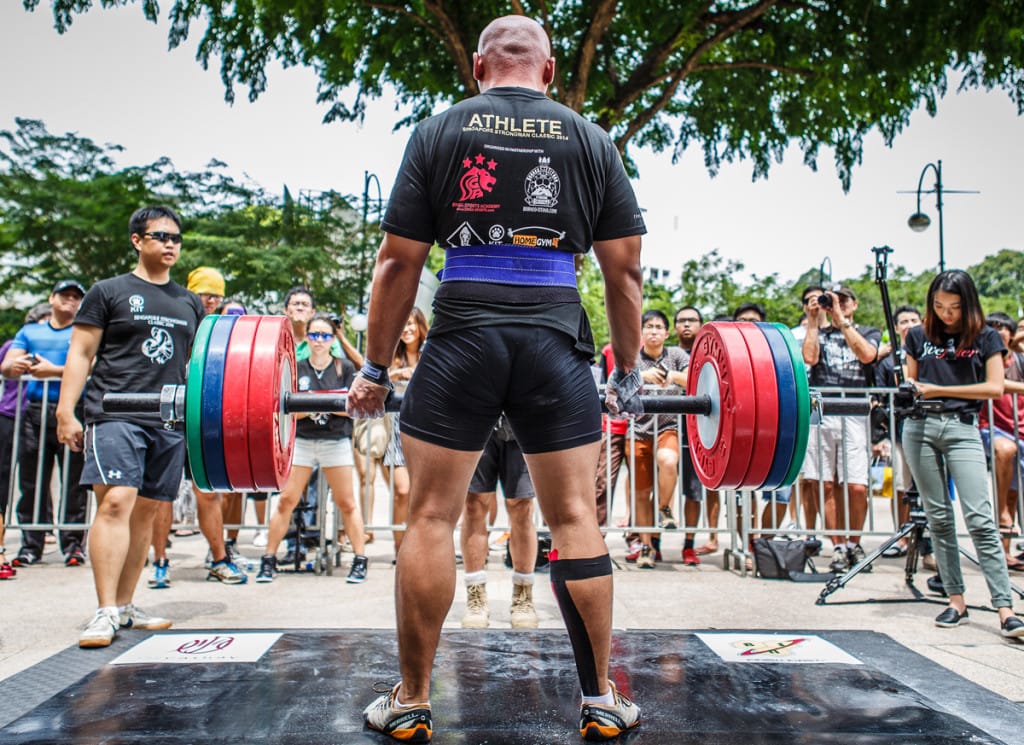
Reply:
x=919 y=222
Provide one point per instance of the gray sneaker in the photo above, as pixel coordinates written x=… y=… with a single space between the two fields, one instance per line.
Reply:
x=227 y=571
x=857 y=556
x=100 y=631
x=598 y=722
x=136 y=618
x=408 y=724
x=840 y=561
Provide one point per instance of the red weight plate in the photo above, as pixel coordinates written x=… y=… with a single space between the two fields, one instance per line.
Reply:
x=271 y=430
x=721 y=443
x=766 y=389
x=235 y=404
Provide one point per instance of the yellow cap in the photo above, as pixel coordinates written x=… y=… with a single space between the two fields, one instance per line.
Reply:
x=206 y=280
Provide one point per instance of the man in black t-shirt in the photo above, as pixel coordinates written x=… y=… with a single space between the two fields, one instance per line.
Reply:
x=135 y=331
x=839 y=355
x=512 y=185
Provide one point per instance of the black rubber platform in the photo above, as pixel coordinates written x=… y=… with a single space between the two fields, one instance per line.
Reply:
x=506 y=688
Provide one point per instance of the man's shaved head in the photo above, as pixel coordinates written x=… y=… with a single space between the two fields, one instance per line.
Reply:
x=513 y=42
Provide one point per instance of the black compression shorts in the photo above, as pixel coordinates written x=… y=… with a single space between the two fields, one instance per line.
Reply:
x=464 y=380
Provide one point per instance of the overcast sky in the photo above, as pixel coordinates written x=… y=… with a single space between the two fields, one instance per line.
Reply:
x=111 y=78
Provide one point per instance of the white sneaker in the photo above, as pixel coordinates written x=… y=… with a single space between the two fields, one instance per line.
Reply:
x=478 y=613
x=136 y=618
x=100 y=631
x=598 y=722
x=260 y=539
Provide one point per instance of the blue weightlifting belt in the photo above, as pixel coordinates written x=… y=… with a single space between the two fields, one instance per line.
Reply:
x=509 y=265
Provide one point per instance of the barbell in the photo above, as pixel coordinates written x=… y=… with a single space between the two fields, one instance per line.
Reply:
x=747 y=400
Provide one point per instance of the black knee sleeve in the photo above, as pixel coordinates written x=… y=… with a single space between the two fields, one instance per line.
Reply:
x=563 y=570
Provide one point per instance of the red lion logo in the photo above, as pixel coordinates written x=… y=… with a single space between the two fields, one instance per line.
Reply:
x=476 y=180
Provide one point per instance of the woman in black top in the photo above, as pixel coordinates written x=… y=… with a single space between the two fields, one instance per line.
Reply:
x=955 y=362
x=323 y=439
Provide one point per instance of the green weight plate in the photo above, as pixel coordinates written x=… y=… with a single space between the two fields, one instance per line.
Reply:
x=194 y=404
x=800 y=419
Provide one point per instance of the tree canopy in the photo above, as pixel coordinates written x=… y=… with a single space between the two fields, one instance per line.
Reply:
x=65 y=204
x=739 y=79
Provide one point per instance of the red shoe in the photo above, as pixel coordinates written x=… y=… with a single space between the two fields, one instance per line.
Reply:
x=690 y=557
x=7 y=571
x=633 y=551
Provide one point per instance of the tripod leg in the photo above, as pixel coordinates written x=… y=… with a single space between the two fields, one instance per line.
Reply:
x=842 y=580
x=913 y=552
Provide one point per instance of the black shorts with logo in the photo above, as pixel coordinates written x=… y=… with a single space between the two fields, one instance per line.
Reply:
x=465 y=379
x=119 y=453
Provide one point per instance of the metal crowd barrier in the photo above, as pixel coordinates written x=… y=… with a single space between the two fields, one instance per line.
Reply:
x=736 y=507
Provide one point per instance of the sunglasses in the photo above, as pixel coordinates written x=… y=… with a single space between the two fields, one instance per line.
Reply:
x=162 y=236
x=320 y=336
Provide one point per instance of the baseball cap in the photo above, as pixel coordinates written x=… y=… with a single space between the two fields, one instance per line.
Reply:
x=68 y=284
x=205 y=280
x=843 y=290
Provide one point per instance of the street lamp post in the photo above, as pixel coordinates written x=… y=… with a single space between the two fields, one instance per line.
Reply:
x=919 y=221
x=368 y=178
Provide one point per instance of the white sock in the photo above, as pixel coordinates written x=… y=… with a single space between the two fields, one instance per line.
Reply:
x=400 y=705
x=850 y=545
x=110 y=610
x=607 y=699
x=522 y=579
x=476 y=578
x=123 y=608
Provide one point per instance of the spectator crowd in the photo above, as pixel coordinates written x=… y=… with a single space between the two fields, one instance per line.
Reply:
x=45 y=488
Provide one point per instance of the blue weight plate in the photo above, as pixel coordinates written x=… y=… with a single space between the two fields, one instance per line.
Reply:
x=784 y=375
x=212 y=426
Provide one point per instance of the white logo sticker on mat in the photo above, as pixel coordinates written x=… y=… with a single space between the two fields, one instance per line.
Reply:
x=776 y=648
x=186 y=649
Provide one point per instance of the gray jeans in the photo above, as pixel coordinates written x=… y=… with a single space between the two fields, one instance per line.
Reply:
x=926 y=444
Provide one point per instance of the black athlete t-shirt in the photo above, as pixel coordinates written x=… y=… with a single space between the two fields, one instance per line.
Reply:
x=943 y=364
x=324 y=425
x=508 y=168
x=147 y=338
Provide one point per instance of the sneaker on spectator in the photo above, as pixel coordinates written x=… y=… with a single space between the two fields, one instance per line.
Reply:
x=357 y=573
x=268 y=569
x=25 y=559
x=666 y=520
x=161 y=578
x=289 y=557
x=690 y=557
x=840 y=560
x=132 y=617
x=935 y=585
x=6 y=570
x=405 y=723
x=235 y=556
x=260 y=539
x=857 y=556
x=74 y=557
x=1012 y=628
x=633 y=549
x=227 y=571
x=524 y=615
x=599 y=722
x=646 y=558
x=100 y=631
x=498 y=544
x=656 y=545
x=478 y=612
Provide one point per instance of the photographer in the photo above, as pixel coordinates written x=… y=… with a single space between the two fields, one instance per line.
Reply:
x=954 y=362
x=839 y=355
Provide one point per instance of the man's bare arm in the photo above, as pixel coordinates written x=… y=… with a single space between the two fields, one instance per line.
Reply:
x=619 y=260
x=85 y=341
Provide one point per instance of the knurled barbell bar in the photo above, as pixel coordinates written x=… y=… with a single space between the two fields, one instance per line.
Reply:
x=748 y=404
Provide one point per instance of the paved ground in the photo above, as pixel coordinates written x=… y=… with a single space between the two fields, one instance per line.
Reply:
x=45 y=605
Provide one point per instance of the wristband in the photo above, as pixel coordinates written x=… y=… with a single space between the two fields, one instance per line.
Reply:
x=374 y=372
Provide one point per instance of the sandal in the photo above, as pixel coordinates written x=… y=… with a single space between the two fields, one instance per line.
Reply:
x=1008 y=531
x=1014 y=564
x=895 y=551
x=707 y=548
